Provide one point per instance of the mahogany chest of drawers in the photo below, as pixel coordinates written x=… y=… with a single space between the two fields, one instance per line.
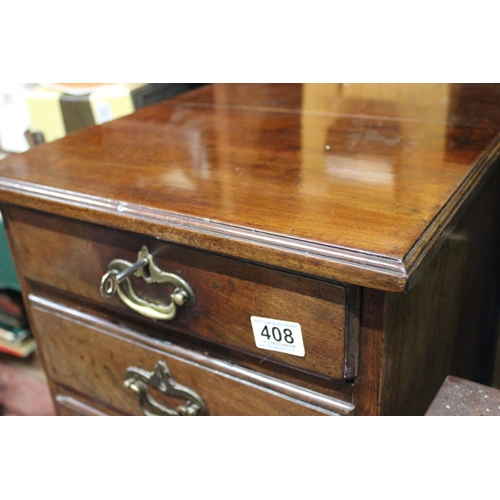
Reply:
x=264 y=250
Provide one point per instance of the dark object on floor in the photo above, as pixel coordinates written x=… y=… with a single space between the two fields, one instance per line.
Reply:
x=460 y=397
x=23 y=388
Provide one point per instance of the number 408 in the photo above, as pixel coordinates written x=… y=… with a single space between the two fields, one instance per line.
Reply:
x=277 y=335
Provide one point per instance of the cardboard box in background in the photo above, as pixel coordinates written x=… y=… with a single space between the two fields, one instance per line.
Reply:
x=57 y=109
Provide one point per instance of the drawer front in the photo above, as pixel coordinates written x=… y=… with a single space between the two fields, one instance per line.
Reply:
x=73 y=256
x=90 y=356
x=71 y=404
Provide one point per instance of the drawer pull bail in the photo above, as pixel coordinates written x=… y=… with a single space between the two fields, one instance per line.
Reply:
x=117 y=280
x=138 y=380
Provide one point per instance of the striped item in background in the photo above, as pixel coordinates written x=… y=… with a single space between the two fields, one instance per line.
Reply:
x=57 y=109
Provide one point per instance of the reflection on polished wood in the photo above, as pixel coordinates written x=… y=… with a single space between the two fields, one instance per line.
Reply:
x=360 y=177
x=335 y=196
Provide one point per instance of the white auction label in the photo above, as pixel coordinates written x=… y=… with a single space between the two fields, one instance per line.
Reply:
x=277 y=335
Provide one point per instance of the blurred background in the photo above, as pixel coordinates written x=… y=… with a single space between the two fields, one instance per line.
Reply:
x=31 y=114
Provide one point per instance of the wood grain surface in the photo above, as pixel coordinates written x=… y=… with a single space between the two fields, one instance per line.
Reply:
x=361 y=179
x=228 y=292
x=369 y=210
x=90 y=355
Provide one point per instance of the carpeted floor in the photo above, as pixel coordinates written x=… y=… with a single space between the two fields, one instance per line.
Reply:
x=23 y=387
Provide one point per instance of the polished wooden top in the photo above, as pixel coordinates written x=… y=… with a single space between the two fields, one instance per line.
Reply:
x=351 y=182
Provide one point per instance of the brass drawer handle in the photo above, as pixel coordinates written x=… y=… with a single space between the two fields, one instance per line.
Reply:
x=117 y=280
x=138 y=380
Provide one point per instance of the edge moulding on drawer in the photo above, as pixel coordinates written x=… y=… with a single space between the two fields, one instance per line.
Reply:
x=63 y=326
x=227 y=290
